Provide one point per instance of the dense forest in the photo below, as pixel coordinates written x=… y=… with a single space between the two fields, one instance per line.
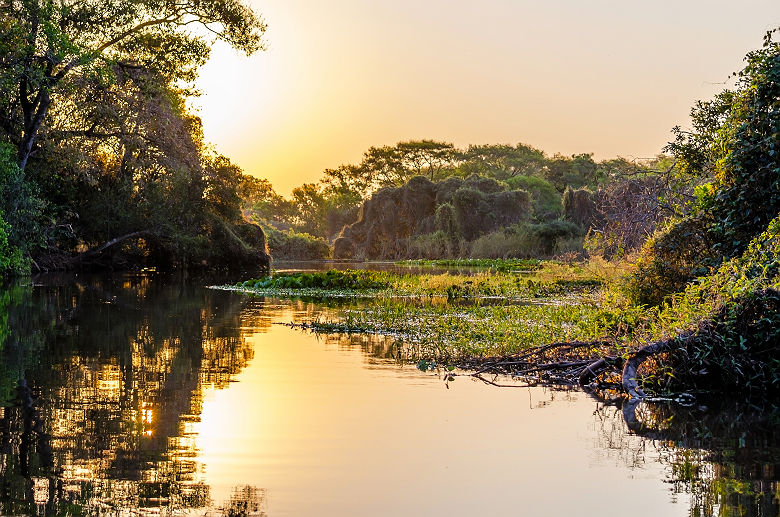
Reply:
x=102 y=164
x=430 y=199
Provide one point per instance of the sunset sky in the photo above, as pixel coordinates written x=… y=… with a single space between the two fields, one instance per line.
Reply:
x=568 y=76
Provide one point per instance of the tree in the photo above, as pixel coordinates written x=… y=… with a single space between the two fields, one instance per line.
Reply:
x=261 y=203
x=93 y=100
x=428 y=158
x=502 y=161
x=393 y=166
x=48 y=47
x=736 y=140
x=309 y=203
x=577 y=171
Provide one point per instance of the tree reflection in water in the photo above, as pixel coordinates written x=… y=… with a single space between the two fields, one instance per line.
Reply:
x=102 y=381
x=726 y=457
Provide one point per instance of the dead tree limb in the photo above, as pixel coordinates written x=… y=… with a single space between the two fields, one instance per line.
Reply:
x=96 y=251
x=633 y=363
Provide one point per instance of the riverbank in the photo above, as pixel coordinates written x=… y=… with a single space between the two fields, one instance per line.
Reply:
x=558 y=323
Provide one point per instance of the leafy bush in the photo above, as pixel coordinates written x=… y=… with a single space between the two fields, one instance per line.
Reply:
x=668 y=261
x=736 y=139
x=436 y=245
x=10 y=256
x=292 y=245
x=578 y=206
x=734 y=349
x=546 y=199
x=502 y=244
x=446 y=220
x=478 y=212
x=529 y=240
x=727 y=324
x=21 y=215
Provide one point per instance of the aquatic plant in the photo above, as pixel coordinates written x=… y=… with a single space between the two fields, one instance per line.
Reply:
x=332 y=279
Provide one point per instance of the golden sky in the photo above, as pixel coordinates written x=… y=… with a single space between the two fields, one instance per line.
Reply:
x=570 y=76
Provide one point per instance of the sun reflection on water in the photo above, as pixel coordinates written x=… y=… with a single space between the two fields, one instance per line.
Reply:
x=134 y=397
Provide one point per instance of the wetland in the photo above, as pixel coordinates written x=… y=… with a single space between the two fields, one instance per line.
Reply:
x=145 y=394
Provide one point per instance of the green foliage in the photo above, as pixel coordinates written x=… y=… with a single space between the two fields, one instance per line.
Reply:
x=471 y=206
x=502 y=162
x=735 y=349
x=325 y=208
x=93 y=98
x=578 y=171
x=437 y=244
x=444 y=332
x=736 y=139
x=735 y=142
x=487 y=206
x=546 y=199
x=503 y=265
x=724 y=327
x=446 y=221
x=332 y=279
x=292 y=245
x=529 y=240
x=669 y=260
x=21 y=217
x=10 y=257
x=443 y=316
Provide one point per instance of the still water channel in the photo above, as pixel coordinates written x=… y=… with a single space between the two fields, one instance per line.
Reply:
x=132 y=395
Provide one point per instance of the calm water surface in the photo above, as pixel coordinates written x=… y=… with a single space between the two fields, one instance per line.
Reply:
x=131 y=395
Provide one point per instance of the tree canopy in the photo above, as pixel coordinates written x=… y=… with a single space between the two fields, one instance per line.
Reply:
x=93 y=102
x=734 y=146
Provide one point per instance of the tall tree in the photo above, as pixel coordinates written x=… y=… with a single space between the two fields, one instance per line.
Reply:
x=503 y=161
x=48 y=46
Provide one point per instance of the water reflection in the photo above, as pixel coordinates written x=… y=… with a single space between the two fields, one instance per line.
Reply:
x=726 y=456
x=138 y=395
x=102 y=382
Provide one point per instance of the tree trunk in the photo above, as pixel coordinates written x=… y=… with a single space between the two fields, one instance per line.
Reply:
x=34 y=113
x=108 y=244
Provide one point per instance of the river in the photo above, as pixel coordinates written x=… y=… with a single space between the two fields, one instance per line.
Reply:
x=141 y=395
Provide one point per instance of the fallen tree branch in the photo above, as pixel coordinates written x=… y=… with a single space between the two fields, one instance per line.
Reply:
x=630 y=384
x=596 y=368
x=96 y=251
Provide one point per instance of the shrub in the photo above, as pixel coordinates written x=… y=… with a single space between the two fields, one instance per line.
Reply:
x=21 y=215
x=10 y=256
x=546 y=200
x=436 y=245
x=291 y=245
x=578 y=206
x=736 y=137
x=529 y=240
x=501 y=244
x=668 y=261
x=483 y=184
x=446 y=220
x=510 y=206
x=727 y=324
x=471 y=208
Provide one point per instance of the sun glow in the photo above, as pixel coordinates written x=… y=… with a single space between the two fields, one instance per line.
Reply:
x=569 y=77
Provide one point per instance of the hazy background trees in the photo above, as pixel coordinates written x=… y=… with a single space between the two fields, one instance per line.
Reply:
x=616 y=200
